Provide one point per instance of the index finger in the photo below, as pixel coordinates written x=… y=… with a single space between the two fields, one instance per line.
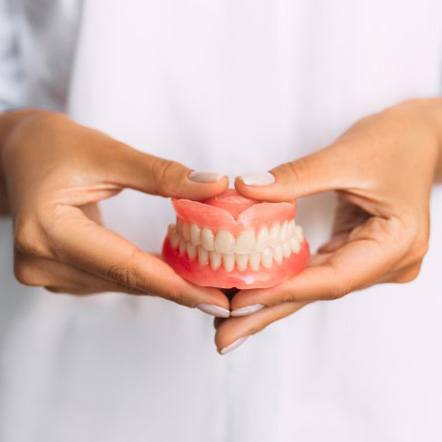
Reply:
x=80 y=242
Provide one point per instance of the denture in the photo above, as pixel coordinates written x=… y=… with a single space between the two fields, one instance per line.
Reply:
x=235 y=242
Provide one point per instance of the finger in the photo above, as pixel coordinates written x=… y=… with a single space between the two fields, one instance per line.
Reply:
x=61 y=278
x=372 y=251
x=319 y=172
x=129 y=167
x=78 y=241
x=232 y=330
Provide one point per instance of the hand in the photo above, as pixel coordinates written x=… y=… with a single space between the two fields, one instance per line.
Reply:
x=56 y=172
x=382 y=169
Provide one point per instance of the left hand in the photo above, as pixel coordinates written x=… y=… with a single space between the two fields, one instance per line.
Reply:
x=383 y=169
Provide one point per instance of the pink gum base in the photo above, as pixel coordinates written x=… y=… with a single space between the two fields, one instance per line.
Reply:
x=220 y=278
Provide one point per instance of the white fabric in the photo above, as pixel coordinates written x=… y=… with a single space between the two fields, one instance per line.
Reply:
x=234 y=86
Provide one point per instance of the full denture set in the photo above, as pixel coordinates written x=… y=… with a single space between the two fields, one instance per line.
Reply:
x=234 y=242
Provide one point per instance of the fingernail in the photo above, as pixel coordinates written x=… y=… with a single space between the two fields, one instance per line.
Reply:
x=261 y=179
x=248 y=310
x=233 y=345
x=204 y=176
x=214 y=310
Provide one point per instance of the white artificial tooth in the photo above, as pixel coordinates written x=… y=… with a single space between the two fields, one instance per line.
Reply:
x=299 y=233
x=229 y=262
x=274 y=233
x=224 y=242
x=182 y=246
x=291 y=228
x=286 y=249
x=175 y=239
x=241 y=262
x=283 y=236
x=267 y=258
x=245 y=242
x=294 y=245
x=207 y=239
x=186 y=231
x=179 y=226
x=262 y=239
x=277 y=254
x=203 y=256
x=255 y=261
x=215 y=260
x=195 y=234
x=191 y=250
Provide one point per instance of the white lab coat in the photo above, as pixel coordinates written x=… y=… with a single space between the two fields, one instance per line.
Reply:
x=233 y=86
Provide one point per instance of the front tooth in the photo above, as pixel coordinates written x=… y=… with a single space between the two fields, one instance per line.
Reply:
x=195 y=233
x=182 y=246
x=215 y=260
x=299 y=233
x=245 y=242
x=255 y=261
x=241 y=262
x=229 y=262
x=284 y=232
x=186 y=231
x=267 y=258
x=207 y=239
x=286 y=249
x=262 y=239
x=191 y=250
x=294 y=245
x=277 y=254
x=274 y=233
x=203 y=256
x=224 y=242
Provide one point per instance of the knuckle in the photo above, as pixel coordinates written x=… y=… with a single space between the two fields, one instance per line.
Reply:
x=124 y=274
x=163 y=172
x=409 y=275
x=27 y=238
x=26 y=274
x=337 y=289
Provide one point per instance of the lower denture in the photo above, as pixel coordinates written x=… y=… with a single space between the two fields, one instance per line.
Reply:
x=225 y=243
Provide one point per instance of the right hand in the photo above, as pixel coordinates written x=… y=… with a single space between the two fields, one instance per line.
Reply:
x=56 y=171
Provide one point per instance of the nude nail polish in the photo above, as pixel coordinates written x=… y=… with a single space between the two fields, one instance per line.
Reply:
x=234 y=345
x=204 y=176
x=261 y=179
x=247 y=310
x=214 y=310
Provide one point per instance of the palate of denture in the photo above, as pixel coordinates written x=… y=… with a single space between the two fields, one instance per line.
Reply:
x=233 y=241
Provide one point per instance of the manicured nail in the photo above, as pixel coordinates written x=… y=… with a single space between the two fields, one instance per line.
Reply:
x=233 y=345
x=262 y=179
x=248 y=310
x=204 y=176
x=214 y=310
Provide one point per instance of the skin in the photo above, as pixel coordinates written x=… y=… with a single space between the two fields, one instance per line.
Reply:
x=53 y=174
x=383 y=169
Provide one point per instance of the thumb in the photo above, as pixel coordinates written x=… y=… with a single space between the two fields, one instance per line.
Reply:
x=150 y=174
x=319 y=172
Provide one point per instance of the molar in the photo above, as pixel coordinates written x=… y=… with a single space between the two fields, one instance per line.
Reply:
x=186 y=231
x=299 y=233
x=286 y=249
x=277 y=254
x=182 y=246
x=295 y=245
